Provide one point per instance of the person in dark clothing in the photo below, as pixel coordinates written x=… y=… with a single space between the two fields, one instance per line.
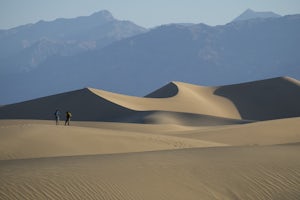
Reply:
x=57 y=115
x=68 y=118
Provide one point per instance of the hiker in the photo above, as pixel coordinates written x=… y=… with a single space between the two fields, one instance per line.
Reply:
x=57 y=114
x=68 y=118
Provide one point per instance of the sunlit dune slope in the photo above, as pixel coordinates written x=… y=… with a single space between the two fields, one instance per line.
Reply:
x=280 y=131
x=33 y=139
x=177 y=97
x=41 y=138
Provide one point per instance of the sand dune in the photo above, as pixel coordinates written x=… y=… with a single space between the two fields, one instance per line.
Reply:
x=35 y=140
x=275 y=98
x=84 y=105
x=181 y=141
x=260 y=100
x=283 y=131
x=188 y=99
x=97 y=105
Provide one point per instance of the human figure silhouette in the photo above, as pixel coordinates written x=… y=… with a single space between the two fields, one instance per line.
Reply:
x=68 y=118
x=57 y=115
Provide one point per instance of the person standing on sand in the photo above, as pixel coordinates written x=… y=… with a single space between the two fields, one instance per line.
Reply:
x=68 y=118
x=57 y=114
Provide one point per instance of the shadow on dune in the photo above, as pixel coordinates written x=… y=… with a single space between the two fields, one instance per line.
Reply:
x=168 y=90
x=264 y=100
x=83 y=104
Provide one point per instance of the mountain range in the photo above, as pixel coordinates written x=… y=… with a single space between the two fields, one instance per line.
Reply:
x=34 y=43
x=103 y=52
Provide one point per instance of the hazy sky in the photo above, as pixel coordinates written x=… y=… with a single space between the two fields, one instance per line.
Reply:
x=147 y=13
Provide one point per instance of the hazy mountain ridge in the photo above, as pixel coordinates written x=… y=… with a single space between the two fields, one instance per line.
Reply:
x=34 y=43
x=227 y=54
x=196 y=53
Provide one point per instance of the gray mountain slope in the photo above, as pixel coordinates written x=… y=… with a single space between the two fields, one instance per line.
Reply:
x=34 y=43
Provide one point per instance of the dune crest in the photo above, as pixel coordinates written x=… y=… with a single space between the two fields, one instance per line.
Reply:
x=176 y=97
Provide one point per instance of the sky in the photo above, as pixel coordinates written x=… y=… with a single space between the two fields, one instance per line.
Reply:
x=146 y=13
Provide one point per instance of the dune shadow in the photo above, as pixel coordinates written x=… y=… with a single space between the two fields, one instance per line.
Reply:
x=83 y=104
x=166 y=91
x=264 y=100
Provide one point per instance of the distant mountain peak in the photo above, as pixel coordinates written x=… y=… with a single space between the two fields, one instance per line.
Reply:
x=103 y=14
x=251 y=14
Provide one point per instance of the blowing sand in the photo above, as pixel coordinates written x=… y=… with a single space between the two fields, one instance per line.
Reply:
x=180 y=142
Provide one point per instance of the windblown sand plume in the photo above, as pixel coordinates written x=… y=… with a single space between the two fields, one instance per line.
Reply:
x=182 y=141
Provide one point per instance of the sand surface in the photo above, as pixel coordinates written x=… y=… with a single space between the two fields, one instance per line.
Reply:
x=179 y=142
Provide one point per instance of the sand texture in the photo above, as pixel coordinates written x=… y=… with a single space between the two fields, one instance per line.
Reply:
x=181 y=141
